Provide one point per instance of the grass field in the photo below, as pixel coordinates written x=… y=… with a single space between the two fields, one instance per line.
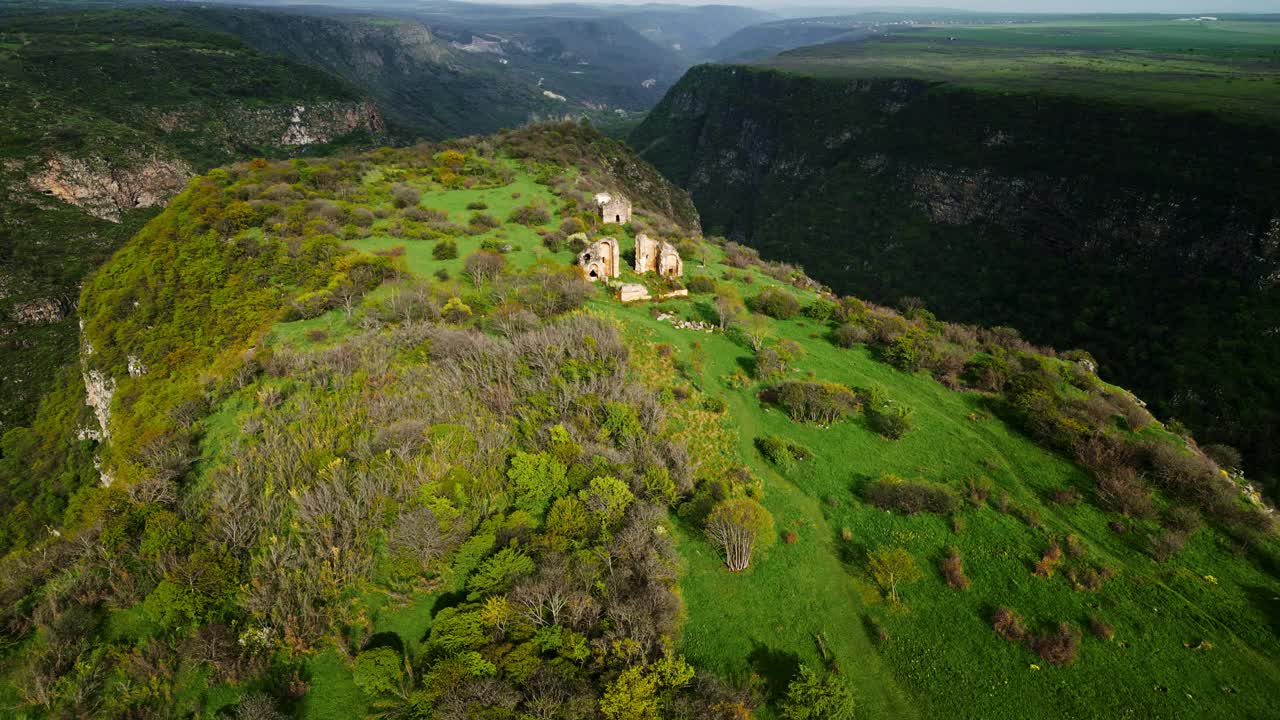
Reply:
x=1195 y=636
x=1230 y=66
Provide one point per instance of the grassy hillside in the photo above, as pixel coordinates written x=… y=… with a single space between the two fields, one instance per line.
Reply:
x=382 y=450
x=1146 y=237
x=1229 y=66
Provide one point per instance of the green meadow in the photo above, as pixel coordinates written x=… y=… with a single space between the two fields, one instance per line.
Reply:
x=1228 y=66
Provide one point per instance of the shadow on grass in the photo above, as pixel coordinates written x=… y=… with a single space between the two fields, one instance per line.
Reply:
x=775 y=667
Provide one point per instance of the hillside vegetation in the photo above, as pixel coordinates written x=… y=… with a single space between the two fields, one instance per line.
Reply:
x=373 y=447
x=1148 y=237
x=107 y=114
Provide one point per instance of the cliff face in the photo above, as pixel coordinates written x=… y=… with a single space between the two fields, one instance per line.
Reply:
x=1151 y=239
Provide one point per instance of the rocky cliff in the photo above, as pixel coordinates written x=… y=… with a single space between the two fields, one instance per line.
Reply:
x=1150 y=238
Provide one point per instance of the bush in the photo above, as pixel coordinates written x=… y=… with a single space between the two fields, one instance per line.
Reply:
x=953 y=570
x=814 y=696
x=1225 y=455
x=483 y=221
x=891 y=492
x=736 y=526
x=377 y=671
x=530 y=215
x=1184 y=474
x=403 y=196
x=782 y=452
x=553 y=241
x=1166 y=544
x=821 y=310
x=1122 y=490
x=776 y=303
x=1008 y=624
x=714 y=404
x=890 y=419
x=978 y=489
x=445 y=250
x=701 y=284
x=1101 y=629
x=484 y=265
x=1065 y=496
x=849 y=335
x=817 y=402
x=477 y=205
x=1058 y=646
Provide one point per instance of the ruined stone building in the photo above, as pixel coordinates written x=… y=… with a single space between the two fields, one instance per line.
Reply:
x=657 y=256
x=600 y=260
x=613 y=209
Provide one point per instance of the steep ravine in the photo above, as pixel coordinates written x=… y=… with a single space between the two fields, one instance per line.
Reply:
x=1151 y=239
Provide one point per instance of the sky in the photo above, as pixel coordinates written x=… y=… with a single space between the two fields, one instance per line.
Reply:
x=1187 y=7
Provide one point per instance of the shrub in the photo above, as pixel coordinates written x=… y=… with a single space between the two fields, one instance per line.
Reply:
x=891 y=420
x=1184 y=474
x=1225 y=455
x=953 y=570
x=403 y=196
x=377 y=671
x=714 y=404
x=1166 y=544
x=1048 y=561
x=1101 y=629
x=1122 y=490
x=483 y=221
x=445 y=250
x=891 y=492
x=821 y=310
x=818 y=402
x=484 y=265
x=1058 y=646
x=530 y=215
x=1008 y=624
x=1065 y=496
x=790 y=537
x=553 y=241
x=736 y=526
x=776 y=303
x=477 y=205
x=849 y=335
x=782 y=452
x=977 y=490
x=701 y=284
x=814 y=696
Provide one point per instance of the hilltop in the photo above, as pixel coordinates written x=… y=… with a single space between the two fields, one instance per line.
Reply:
x=364 y=440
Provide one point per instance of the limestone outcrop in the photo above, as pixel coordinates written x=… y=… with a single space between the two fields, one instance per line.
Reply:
x=105 y=188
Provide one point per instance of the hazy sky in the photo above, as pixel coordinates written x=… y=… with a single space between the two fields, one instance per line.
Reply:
x=1189 y=7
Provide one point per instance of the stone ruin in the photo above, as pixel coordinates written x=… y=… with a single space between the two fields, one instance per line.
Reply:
x=600 y=260
x=613 y=209
x=657 y=256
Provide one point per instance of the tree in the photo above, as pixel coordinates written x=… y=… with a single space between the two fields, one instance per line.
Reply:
x=484 y=265
x=729 y=307
x=892 y=566
x=607 y=497
x=537 y=477
x=737 y=525
x=817 y=696
x=756 y=328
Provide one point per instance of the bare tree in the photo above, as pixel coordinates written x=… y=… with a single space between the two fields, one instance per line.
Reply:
x=737 y=525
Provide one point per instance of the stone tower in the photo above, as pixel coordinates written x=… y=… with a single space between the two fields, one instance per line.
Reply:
x=613 y=209
x=600 y=260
